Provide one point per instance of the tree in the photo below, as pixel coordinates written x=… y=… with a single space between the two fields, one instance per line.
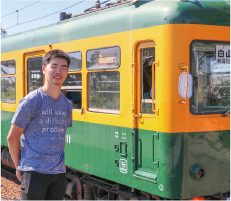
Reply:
x=3 y=32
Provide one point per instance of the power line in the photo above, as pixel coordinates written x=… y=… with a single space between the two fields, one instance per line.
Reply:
x=45 y=15
x=8 y=14
x=21 y=8
x=30 y=5
x=4 y=0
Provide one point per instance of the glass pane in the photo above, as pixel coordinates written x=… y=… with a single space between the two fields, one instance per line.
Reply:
x=147 y=58
x=104 y=90
x=76 y=61
x=73 y=80
x=104 y=58
x=8 y=90
x=8 y=67
x=72 y=89
x=210 y=67
x=34 y=73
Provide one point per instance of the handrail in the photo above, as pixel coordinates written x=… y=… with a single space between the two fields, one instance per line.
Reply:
x=153 y=80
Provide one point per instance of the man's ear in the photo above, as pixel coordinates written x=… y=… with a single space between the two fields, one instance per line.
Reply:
x=43 y=68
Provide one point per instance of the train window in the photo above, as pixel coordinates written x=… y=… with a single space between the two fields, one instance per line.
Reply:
x=147 y=58
x=34 y=73
x=104 y=91
x=8 y=67
x=8 y=89
x=104 y=58
x=72 y=89
x=210 y=68
x=76 y=61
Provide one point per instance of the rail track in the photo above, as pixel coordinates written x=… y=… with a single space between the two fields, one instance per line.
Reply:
x=10 y=185
x=10 y=173
x=4 y=171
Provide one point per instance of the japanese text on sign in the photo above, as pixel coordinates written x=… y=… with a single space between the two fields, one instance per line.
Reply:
x=222 y=54
x=107 y=58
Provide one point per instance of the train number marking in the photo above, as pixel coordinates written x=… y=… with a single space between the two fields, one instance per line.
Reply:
x=161 y=187
x=68 y=138
x=116 y=135
x=124 y=136
x=123 y=166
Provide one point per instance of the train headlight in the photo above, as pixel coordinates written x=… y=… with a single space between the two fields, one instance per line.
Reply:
x=197 y=171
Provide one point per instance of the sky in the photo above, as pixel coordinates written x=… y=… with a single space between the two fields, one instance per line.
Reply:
x=37 y=10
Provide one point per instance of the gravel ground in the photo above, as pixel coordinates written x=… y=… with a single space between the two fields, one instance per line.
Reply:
x=10 y=187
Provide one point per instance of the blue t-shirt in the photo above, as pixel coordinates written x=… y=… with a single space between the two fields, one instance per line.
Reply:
x=45 y=121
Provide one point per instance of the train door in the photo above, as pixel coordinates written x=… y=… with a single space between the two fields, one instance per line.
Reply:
x=146 y=112
x=33 y=71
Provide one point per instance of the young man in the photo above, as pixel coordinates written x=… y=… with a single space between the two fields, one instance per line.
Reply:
x=41 y=119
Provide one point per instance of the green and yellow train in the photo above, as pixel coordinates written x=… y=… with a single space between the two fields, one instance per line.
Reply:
x=153 y=77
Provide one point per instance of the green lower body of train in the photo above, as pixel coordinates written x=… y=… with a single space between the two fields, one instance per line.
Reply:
x=169 y=165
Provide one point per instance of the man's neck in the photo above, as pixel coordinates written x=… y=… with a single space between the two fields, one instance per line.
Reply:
x=52 y=91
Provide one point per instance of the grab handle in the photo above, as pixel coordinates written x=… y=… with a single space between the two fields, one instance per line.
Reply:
x=153 y=86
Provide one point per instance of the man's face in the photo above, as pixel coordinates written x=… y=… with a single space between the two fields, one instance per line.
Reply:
x=56 y=71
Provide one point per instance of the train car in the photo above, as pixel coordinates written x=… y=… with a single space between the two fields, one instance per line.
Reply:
x=150 y=87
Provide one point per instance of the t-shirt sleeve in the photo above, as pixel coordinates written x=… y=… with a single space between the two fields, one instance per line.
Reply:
x=24 y=113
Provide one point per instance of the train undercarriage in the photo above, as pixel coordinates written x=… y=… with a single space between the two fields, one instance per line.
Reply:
x=82 y=186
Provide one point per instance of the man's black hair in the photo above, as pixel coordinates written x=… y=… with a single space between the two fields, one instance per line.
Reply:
x=55 y=54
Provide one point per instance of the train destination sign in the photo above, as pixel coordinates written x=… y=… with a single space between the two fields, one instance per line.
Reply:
x=107 y=58
x=222 y=54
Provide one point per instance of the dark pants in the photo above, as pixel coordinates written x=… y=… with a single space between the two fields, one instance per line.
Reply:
x=39 y=186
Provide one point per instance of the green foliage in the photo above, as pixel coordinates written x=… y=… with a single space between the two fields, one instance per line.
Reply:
x=8 y=93
x=105 y=90
x=94 y=58
x=221 y=94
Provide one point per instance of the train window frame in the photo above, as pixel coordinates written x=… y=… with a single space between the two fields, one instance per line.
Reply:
x=14 y=67
x=2 y=77
x=102 y=110
x=65 y=89
x=81 y=61
x=8 y=76
x=192 y=73
x=27 y=82
x=104 y=68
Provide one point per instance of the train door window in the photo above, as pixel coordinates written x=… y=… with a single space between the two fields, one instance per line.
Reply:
x=147 y=58
x=104 y=91
x=8 y=87
x=72 y=87
x=34 y=73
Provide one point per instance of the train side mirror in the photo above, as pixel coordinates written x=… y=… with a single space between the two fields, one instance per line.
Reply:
x=184 y=86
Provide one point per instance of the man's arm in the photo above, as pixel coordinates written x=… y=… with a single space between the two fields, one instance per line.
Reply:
x=13 y=140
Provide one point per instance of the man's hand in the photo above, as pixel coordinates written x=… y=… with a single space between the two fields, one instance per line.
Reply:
x=18 y=174
x=13 y=140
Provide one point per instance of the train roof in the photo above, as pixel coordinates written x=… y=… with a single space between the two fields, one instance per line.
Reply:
x=123 y=17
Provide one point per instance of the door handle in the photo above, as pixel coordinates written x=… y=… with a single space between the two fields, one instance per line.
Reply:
x=138 y=116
